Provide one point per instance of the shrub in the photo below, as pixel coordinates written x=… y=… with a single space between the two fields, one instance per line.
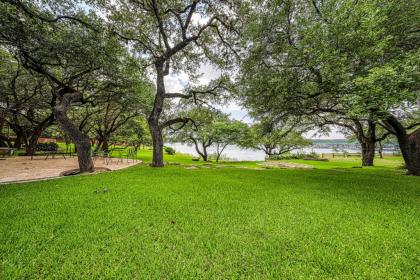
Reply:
x=169 y=150
x=294 y=156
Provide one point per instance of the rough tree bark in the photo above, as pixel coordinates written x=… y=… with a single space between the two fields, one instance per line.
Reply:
x=153 y=120
x=20 y=134
x=368 y=153
x=409 y=144
x=33 y=141
x=410 y=149
x=79 y=138
x=366 y=141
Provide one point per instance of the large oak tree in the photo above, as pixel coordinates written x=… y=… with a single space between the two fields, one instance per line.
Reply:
x=172 y=36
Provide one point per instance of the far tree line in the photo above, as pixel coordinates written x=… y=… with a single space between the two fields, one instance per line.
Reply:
x=97 y=69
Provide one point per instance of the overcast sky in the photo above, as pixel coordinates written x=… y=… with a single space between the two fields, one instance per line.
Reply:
x=177 y=82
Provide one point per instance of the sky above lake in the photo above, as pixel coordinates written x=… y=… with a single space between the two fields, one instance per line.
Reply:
x=177 y=82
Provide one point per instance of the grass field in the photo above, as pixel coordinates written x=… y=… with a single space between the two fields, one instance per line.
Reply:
x=215 y=222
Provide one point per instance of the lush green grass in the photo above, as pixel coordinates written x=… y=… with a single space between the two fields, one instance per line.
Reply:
x=225 y=223
x=393 y=162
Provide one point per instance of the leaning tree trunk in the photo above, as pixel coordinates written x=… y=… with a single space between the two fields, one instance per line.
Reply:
x=79 y=138
x=202 y=154
x=153 y=120
x=205 y=155
x=409 y=144
x=220 y=151
x=410 y=149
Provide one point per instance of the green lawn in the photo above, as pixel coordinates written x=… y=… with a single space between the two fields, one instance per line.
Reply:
x=333 y=222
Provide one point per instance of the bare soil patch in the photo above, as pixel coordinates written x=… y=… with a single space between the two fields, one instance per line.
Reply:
x=25 y=169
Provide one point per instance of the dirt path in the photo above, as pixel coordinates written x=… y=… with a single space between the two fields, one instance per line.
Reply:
x=23 y=168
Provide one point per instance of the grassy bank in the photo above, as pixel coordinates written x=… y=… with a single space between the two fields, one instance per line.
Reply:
x=333 y=222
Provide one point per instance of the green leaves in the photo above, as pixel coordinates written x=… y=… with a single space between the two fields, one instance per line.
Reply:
x=339 y=59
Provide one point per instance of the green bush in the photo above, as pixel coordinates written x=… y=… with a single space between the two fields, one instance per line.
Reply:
x=294 y=156
x=169 y=150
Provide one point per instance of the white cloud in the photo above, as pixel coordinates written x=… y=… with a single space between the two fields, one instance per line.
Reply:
x=176 y=83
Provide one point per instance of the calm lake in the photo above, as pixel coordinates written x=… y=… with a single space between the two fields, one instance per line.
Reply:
x=237 y=153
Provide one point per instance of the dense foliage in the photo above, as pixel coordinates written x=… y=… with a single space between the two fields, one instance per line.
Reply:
x=86 y=65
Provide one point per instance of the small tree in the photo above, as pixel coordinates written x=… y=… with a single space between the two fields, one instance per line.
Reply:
x=118 y=106
x=274 y=140
x=227 y=132
x=134 y=132
x=199 y=131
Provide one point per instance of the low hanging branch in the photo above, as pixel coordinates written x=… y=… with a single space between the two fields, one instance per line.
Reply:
x=34 y=14
x=180 y=120
x=195 y=93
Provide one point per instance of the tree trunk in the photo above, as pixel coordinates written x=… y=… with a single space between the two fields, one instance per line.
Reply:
x=269 y=152
x=380 y=149
x=79 y=138
x=18 y=141
x=368 y=153
x=153 y=120
x=367 y=142
x=204 y=154
x=105 y=144
x=219 y=152
x=33 y=141
x=409 y=144
x=98 y=145
x=157 y=140
x=410 y=149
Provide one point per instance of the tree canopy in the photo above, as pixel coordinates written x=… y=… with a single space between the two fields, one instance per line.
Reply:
x=88 y=65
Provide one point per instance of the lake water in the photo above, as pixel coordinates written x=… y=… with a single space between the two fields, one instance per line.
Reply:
x=237 y=153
